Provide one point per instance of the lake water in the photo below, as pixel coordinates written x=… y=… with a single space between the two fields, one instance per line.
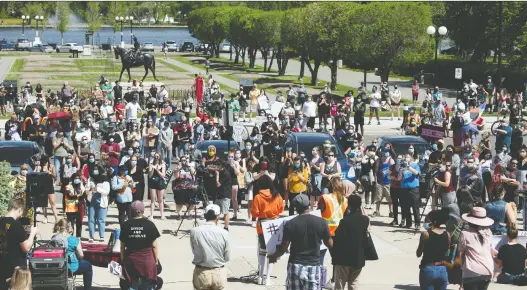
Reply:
x=105 y=35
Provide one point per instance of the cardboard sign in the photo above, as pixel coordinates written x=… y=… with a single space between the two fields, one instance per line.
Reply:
x=273 y=231
x=263 y=103
x=276 y=108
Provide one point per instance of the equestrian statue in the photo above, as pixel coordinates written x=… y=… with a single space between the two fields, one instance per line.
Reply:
x=135 y=58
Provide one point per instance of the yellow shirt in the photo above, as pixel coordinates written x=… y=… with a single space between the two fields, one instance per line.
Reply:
x=295 y=184
x=253 y=96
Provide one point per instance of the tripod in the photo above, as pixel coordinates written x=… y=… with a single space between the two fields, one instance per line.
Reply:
x=199 y=193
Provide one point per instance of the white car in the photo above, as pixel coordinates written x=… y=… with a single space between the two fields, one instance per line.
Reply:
x=172 y=46
x=225 y=47
x=48 y=48
x=68 y=47
x=147 y=46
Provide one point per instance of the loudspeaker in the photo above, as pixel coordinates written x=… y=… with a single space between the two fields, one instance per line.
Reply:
x=36 y=184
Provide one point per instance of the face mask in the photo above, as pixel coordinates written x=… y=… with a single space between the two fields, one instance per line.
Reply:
x=126 y=172
x=407 y=160
x=237 y=155
x=411 y=150
x=77 y=181
x=398 y=161
x=374 y=143
x=84 y=143
x=288 y=148
x=96 y=172
x=68 y=161
x=505 y=150
x=130 y=152
x=248 y=147
x=23 y=172
x=111 y=140
x=297 y=165
x=134 y=163
x=434 y=147
x=442 y=168
x=91 y=160
x=386 y=154
x=212 y=154
x=230 y=158
x=314 y=152
x=426 y=226
x=523 y=154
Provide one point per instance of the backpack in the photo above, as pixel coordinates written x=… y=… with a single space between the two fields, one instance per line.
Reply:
x=59 y=241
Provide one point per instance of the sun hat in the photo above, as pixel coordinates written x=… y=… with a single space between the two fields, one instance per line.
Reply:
x=478 y=216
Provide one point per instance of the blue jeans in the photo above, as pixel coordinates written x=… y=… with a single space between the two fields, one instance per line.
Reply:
x=96 y=214
x=166 y=154
x=85 y=268
x=182 y=148
x=142 y=284
x=58 y=165
x=504 y=278
x=433 y=278
x=322 y=255
x=316 y=182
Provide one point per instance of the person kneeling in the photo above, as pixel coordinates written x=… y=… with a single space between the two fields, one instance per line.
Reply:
x=76 y=264
x=511 y=258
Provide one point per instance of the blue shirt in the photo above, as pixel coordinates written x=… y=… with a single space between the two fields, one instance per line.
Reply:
x=508 y=136
x=409 y=179
x=73 y=264
x=123 y=194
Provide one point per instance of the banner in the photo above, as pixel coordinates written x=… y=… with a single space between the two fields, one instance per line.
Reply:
x=433 y=132
x=273 y=231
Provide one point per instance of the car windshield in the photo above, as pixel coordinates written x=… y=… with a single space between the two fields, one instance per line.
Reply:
x=402 y=148
x=171 y=42
x=307 y=148
x=16 y=156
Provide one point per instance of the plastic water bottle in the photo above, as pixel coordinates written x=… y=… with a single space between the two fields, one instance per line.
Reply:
x=117 y=243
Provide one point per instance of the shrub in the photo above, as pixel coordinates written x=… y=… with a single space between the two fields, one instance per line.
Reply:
x=6 y=187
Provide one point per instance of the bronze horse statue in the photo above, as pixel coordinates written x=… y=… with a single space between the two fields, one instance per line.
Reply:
x=143 y=59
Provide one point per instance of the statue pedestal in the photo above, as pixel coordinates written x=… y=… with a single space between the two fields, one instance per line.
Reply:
x=146 y=85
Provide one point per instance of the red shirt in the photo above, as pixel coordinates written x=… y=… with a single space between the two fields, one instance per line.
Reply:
x=114 y=147
x=119 y=111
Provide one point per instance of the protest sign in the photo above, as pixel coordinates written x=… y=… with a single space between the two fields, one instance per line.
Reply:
x=273 y=231
x=263 y=103
x=276 y=108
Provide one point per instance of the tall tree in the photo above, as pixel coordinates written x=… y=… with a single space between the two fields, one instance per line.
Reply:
x=63 y=18
x=209 y=25
x=117 y=9
x=93 y=17
x=387 y=31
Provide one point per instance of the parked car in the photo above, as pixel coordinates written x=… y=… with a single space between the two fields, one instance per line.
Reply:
x=22 y=43
x=306 y=141
x=68 y=47
x=187 y=46
x=225 y=47
x=17 y=152
x=202 y=47
x=6 y=45
x=147 y=46
x=40 y=48
x=172 y=46
x=221 y=147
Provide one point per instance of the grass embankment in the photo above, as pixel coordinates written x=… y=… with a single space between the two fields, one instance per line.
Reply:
x=16 y=69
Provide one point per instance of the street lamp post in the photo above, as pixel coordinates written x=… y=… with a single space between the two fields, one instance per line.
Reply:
x=131 y=19
x=24 y=17
x=431 y=30
x=121 y=19
x=37 y=36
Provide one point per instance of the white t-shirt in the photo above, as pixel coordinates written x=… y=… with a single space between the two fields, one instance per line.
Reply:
x=310 y=109
x=131 y=111
x=161 y=95
x=374 y=102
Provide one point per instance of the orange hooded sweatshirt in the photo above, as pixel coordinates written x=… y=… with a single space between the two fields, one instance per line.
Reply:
x=265 y=206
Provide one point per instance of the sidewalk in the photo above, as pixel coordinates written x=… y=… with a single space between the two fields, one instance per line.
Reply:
x=5 y=66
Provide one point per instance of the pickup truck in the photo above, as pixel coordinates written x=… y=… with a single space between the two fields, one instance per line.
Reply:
x=68 y=47
x=5 y=45
x=22 y=44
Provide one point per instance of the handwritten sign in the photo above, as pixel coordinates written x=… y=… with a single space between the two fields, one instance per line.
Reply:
x=263 y=103
x=276 y=108
x=274 y=231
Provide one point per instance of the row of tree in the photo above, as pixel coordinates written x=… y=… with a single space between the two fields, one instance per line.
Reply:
x=372 y=35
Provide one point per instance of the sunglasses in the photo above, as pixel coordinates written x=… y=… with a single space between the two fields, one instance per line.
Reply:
x=448 y=165
x=331 y=155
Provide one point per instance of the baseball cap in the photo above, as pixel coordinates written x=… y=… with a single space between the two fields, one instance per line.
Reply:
x=213 y=207
x=137 y=208
x=301 y=200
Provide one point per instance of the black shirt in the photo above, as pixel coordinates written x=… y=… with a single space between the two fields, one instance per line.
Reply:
x=225 y=189
x=513 y=258
x=139 y=174
x=138 y=234
x=348 y=247
x=11 y=235
x=306 y=233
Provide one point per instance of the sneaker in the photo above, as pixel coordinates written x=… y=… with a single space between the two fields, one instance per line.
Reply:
x=378 y=123
x=90 y=241
x=376 y=214
x=394 y=223
x=163 y=218
x=259 y=281
x=329 y=285
x=369 y=123
x=390 y=214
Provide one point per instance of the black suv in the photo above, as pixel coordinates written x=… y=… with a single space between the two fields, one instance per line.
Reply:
x=187 y=46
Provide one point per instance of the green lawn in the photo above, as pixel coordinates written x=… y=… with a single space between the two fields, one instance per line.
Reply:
x=171 y=66
x=16 y=68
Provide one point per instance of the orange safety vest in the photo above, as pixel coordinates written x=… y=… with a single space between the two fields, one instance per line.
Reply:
x=333 y=213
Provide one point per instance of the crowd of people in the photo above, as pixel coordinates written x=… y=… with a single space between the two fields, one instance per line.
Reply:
x=111 y=147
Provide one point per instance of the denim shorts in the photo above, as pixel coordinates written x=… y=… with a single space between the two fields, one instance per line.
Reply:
x=433 y=277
